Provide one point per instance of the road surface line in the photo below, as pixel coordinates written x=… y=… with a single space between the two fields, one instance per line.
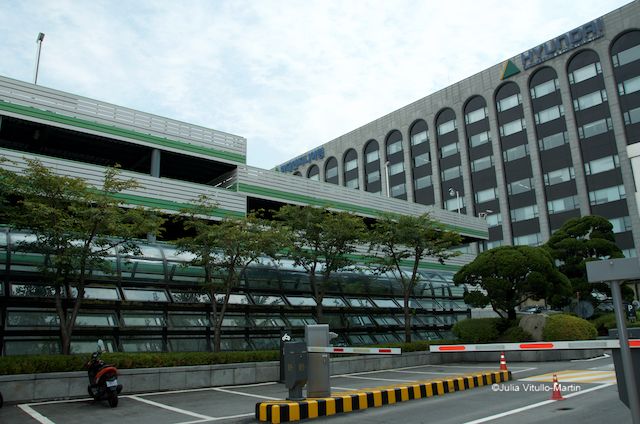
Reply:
x=218 y=389
x=524 y=370
x=203 y=389
x=431 y=372
x=591 y=359
x=377 y=378
x=170 y=408
x=35 y=415
x=228 y=417
x=534 y=405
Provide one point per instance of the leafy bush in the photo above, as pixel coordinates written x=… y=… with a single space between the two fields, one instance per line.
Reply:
x=478 y=330
x=60 y=363
x=567 y=327
x=603 y=323
x=515 y=334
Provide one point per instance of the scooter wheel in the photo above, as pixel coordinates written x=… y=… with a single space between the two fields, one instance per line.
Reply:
x=113 y=400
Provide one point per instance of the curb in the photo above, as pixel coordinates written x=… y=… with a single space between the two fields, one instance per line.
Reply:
x=284 y=411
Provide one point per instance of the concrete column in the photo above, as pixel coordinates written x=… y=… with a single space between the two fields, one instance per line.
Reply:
x=155 y=163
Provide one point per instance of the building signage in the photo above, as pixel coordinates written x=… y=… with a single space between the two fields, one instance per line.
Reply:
x=562 y=44
x=309 y=157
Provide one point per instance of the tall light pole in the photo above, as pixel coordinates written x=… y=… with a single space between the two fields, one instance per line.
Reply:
x=39 y=42
x=454 y=192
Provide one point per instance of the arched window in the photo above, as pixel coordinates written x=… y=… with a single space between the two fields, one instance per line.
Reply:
x=625 y=57
x=372 y=180
x=395 y=165
x=350 y=163
x=313 y=173
x=331 y=170
x=421 y=163
x=449 y=160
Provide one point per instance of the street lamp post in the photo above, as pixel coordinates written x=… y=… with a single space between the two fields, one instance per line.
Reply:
x=453 y=192
x=386 y=173
x=39 y=42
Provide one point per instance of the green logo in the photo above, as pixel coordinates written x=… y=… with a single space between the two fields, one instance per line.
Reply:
x=509 y=69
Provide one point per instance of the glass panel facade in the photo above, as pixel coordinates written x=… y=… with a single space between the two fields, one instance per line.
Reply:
x=559 y=176
x=512 y=127
x=301 y=301
x=509 y=102
x=522 y=214
x=604 y=164
x=145 y=295
x=449 y=150
x=545 y=88
x=586 y=72
x=562 y=205
x=605 y=195
x=520 y=186
x=514 y=153
x=447 y=127
x=552 y=141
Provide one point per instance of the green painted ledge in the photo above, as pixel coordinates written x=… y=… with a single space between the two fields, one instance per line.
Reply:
x=248 y=188
x=121 y=132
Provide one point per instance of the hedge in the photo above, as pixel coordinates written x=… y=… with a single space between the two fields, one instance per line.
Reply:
x=33 y=364
x=568 y=327
x=477 y=330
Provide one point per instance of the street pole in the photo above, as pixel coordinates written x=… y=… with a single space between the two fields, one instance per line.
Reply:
x=386 y=174
x=625 y=352
x=39 y=42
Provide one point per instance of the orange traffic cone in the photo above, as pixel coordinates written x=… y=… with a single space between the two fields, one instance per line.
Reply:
x=503 y=362
x=556 y=395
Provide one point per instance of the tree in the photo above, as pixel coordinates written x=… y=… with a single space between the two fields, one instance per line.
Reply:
x=510 y=275
x=320 y=242
x=578 y=241
x=225 y=250
x=76 y=228
x=402 y=242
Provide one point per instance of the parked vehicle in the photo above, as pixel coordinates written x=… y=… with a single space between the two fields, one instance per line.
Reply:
x=103 y=378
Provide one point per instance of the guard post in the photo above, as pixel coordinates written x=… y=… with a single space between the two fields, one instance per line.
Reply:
x=318 y=335
x=616 y=272
x=295 y=368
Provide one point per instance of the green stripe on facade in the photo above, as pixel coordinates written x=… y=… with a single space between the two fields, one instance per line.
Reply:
x=409 y=264
x=112 y=130
x=171 y=205
x=247 y=188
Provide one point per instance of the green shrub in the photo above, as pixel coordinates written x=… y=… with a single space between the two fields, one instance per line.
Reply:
x=478 y=330
x=515 y=334
x=33 y=364
x=603 y=323
x=567 y=327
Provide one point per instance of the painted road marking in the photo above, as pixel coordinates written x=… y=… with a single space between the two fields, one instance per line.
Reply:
x=575 y=376
x=233 y=392
x=524 y=370
x=591 y=359
x=429 y=372
x=170 y=408
x=203 y=389
x=228 y=417
x=535 y=405
x=35 y=415
x=343 y=388
x=375 y=378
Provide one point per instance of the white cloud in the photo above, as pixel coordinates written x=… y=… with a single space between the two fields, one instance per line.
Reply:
x=288 y=75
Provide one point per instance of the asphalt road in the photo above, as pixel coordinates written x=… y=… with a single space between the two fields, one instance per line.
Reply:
x=589 y=388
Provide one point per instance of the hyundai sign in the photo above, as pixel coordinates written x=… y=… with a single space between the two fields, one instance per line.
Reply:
x=562 y=44
x=309 y=157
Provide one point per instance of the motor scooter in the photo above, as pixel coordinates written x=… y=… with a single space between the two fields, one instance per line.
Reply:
x=103 y=378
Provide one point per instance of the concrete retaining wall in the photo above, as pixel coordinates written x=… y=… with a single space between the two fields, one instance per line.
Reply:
x=65 y=385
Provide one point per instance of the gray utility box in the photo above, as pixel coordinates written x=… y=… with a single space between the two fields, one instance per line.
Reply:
x=295 y=368
x=318 y=382
x=634 y=333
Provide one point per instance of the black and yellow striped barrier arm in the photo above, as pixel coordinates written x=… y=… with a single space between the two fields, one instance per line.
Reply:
x=286 y=410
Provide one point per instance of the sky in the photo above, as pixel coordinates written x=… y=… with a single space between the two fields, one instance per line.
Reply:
x=286 y=75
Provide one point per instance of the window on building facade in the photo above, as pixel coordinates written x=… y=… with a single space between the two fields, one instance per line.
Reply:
x=545 y=88
x=494 y=219
x=423 y=182
x=606 y=195
x=594 y=128
x=629 y=86
x=451 y=173
x=509 y=102
x=476 y=115
x=590 y=100
x=352 y=164
x=621 y=224
x=422 y=159
x=554 y=112
x=512 y=127
x=524 y=213
x=396 y=168
x=373 y=156
x=632 y=116
x=482 y=163
x=331 y=172
x=604 y=164
x=454 y=203
x=515 y=153
x=353 y=183
x=559 y=176
x=419 y=138
x=562 y=205
x=449 y=150
x=554 y=140
x=374 y=176
x=486 y=195
x=447 y=127
x=521 y=186
x=626 y=56
x=479 y=139
x=398 y=190
x=528 y=240
x=585 y=73
x=394 y=147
